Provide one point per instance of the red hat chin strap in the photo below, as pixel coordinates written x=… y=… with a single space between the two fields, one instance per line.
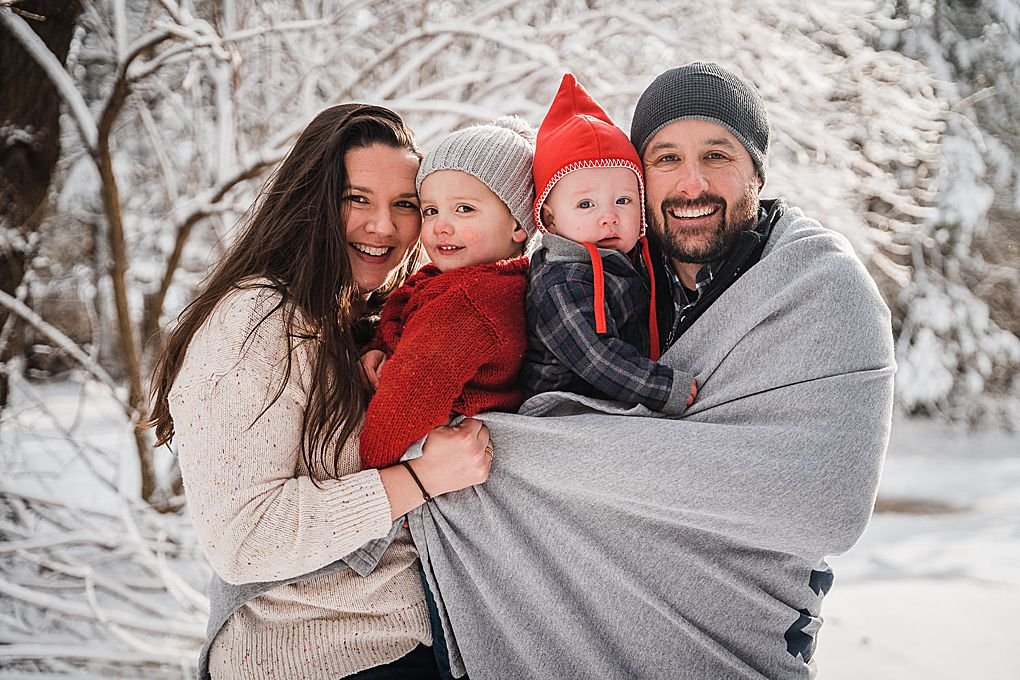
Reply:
x=600 y=287
x=653 y=318
x=600 y=295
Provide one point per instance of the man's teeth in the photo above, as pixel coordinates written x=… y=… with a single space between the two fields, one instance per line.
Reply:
x=689 y=213
x=370 y=250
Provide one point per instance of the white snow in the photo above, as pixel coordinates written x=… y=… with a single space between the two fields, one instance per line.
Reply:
x=933 y=596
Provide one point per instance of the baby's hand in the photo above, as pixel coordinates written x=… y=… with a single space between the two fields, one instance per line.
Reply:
x=371 y=365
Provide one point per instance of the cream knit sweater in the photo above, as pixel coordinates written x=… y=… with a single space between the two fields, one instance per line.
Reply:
x=260 y=518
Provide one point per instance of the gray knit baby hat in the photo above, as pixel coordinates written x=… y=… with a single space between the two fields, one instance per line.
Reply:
x=500 y=154
x=704 y=91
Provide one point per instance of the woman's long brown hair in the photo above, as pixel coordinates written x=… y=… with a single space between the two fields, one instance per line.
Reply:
x=295 y=238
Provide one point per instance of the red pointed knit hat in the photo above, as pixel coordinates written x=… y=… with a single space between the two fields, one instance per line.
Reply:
x=578 y=133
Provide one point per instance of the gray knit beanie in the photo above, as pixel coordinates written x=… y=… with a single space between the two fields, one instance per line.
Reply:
x=499 y=154
x=704 y=91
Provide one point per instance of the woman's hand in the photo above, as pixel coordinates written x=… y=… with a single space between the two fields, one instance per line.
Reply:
x=371 y=366
x=454 y=457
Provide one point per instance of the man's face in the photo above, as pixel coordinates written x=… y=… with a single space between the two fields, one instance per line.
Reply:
x=702 y=190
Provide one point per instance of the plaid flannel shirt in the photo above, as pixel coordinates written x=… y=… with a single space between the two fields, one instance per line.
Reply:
x=564 y=351
x=681 y=299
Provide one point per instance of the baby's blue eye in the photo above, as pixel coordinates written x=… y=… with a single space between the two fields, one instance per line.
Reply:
x=429 y=212
x=623 y=200
x=585 y=204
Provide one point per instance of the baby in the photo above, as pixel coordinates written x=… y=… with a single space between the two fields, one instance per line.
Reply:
x=453 y=335
x=591 y=329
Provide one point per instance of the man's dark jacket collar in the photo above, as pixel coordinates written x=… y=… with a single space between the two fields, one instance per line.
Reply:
x=746 y=252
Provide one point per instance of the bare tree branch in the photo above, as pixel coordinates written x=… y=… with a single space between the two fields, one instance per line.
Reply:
x=204 y=205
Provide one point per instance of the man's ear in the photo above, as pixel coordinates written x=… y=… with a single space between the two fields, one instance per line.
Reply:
x=520 y=234
x=761 y=182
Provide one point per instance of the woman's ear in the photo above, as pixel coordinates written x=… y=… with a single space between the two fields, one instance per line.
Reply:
x=520 y=234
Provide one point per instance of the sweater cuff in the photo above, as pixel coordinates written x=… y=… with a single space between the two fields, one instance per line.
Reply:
x=359 y=504
x=681 y=394
x=373 y=344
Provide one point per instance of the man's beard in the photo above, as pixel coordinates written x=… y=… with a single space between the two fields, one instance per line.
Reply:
x=711 y=242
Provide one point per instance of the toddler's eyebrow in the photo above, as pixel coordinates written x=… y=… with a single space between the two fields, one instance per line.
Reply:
x=464 y=197
x=591 y=190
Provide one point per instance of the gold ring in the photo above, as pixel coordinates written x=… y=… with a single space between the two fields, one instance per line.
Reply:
x=490 y=450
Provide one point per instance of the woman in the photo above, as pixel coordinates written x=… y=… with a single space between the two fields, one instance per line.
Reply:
x=260 y=383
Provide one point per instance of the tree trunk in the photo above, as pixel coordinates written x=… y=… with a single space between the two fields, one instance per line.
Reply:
x=118 y=275
x=29 y=143
x=125 y=326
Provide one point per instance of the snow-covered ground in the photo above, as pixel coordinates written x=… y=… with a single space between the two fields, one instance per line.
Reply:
x=932 y=595
x=932 y=590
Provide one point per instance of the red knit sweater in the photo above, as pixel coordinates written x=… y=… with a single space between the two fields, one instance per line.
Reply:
x=454 y=343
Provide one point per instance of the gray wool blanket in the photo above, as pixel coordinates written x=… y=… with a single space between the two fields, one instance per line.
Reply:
x=612 y=542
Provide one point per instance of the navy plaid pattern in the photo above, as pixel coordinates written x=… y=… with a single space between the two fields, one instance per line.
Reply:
x=681 y=300
x=564 y=351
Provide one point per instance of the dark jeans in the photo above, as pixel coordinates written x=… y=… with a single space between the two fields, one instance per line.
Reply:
x=438 y=638
x=418 y=664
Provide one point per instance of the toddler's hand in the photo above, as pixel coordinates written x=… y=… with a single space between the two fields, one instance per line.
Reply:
x=371 y=366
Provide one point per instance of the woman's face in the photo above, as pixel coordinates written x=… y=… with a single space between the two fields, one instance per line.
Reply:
x=380 y=211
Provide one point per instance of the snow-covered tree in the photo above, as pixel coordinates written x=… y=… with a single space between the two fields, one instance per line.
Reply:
x=177 y=110
x=960 y=317
x=29 y=148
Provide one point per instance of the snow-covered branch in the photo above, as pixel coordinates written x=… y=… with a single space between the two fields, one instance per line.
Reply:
x=34 y=45
x=90 y=590
x=60 y=340
x=284 y=26
x=203 y=206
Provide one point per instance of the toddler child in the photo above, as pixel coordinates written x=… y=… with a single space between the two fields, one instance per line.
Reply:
x=591 y=329
x=454 y=335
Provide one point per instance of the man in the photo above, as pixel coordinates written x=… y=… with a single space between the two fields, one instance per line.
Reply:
x=615 y=542
x=703 y=137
